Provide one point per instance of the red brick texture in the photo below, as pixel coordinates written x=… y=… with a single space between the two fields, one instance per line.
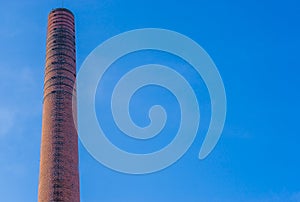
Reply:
x=59 y=178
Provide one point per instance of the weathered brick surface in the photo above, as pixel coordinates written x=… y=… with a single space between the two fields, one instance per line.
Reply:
x=59 y=178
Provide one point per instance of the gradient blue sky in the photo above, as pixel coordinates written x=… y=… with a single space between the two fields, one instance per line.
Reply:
x=255 y=45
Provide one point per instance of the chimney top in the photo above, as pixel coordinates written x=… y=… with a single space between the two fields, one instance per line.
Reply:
x=62 y=9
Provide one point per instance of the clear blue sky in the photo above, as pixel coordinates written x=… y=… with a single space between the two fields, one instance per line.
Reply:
x=255 y=45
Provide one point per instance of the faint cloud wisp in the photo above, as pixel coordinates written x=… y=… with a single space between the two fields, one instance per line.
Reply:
x=7 y=117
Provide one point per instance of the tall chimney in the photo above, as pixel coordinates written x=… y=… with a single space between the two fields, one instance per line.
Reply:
x=59 y=177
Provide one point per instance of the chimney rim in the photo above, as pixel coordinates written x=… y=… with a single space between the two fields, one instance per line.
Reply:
x=62 y=9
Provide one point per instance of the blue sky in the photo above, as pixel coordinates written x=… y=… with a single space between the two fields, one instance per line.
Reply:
x=255 y=45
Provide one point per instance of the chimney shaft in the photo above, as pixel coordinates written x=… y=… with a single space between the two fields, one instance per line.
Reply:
x=59 y=177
